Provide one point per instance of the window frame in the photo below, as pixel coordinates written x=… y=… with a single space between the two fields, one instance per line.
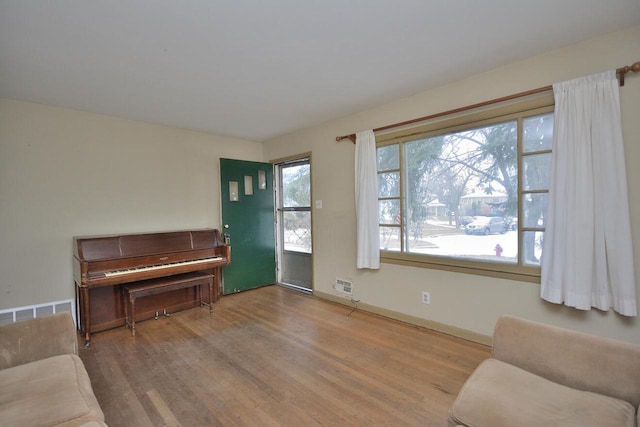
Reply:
x=485 y=116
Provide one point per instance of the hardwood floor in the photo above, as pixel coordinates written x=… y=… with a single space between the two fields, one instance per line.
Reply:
x=276 y=357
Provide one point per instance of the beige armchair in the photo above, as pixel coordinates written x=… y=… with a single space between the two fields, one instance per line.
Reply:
x=541 y=375
x=43 y=382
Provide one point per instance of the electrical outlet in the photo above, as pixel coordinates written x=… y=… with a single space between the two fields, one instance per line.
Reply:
x=426 y=297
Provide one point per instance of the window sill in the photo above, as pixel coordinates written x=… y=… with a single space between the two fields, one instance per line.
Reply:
x=488 y=269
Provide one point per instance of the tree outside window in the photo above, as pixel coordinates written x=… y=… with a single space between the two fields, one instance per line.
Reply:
x=296 y=207
x=477 y=194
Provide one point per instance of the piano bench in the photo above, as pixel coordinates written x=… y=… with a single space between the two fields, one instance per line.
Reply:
x=165 y=284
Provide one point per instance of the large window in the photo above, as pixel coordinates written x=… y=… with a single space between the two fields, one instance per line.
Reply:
x=468 y=193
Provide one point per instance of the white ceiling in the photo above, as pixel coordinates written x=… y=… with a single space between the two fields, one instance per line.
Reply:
x=256 y=69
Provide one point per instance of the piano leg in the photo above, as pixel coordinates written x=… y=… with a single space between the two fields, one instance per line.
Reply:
x=85 y=315
x=210 y=283
x=216 y=283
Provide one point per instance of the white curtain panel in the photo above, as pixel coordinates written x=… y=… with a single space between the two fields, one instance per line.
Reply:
x=368 y=235
x=587 y=259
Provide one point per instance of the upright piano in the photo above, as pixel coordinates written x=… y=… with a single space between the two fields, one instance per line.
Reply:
x=103 y=265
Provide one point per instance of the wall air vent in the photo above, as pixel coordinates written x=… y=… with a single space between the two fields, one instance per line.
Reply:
x=29 y=312
x=344 y=286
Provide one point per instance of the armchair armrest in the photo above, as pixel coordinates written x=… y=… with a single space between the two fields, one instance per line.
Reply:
x=34 y=339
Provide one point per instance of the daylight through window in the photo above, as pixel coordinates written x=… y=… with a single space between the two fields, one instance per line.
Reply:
x=295 y=208
x=468 y=193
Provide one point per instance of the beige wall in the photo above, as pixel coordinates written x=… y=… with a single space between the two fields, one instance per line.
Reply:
x=468 y=302
x=65 y=173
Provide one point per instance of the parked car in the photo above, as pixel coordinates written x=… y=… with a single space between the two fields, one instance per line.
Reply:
x=511 y=223
x=464 y=220
x=486 y=225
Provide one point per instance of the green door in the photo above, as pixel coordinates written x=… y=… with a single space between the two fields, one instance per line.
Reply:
x=248 y=224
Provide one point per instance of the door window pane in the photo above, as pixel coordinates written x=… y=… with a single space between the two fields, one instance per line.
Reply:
x=296 y=207
x=233 y=191
x=297 y=231
x=296 y=186
x=262 y=180
x=248 y=185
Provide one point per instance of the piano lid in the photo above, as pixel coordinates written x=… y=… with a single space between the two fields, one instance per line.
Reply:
x=95 y=248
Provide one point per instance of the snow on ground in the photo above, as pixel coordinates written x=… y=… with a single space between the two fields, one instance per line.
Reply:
x=463 y=245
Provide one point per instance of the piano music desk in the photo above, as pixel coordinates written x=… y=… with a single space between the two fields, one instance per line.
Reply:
x=165 y=284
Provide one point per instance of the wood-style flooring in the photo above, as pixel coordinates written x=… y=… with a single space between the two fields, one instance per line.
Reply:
x=277 y=357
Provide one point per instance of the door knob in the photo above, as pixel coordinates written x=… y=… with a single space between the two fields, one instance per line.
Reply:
x=226 y=226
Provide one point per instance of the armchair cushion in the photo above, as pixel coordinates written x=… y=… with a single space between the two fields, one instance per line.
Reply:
x=51 y=391
x=499 y=394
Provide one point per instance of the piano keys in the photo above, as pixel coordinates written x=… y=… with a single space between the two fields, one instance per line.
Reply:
x=103 y=265
x=167 y=267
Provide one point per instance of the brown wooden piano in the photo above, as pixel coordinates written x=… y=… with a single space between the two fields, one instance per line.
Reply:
x=104 y=265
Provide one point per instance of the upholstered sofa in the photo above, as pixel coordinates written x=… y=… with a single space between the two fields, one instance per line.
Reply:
x=541 y=375
x=43 y=382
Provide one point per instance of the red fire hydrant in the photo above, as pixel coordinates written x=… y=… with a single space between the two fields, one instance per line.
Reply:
x=498 y=249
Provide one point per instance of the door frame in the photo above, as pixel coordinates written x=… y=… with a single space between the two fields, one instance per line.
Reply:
x=279 y=231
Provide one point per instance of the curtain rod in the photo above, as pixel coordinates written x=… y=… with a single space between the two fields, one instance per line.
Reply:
x=620 y=72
